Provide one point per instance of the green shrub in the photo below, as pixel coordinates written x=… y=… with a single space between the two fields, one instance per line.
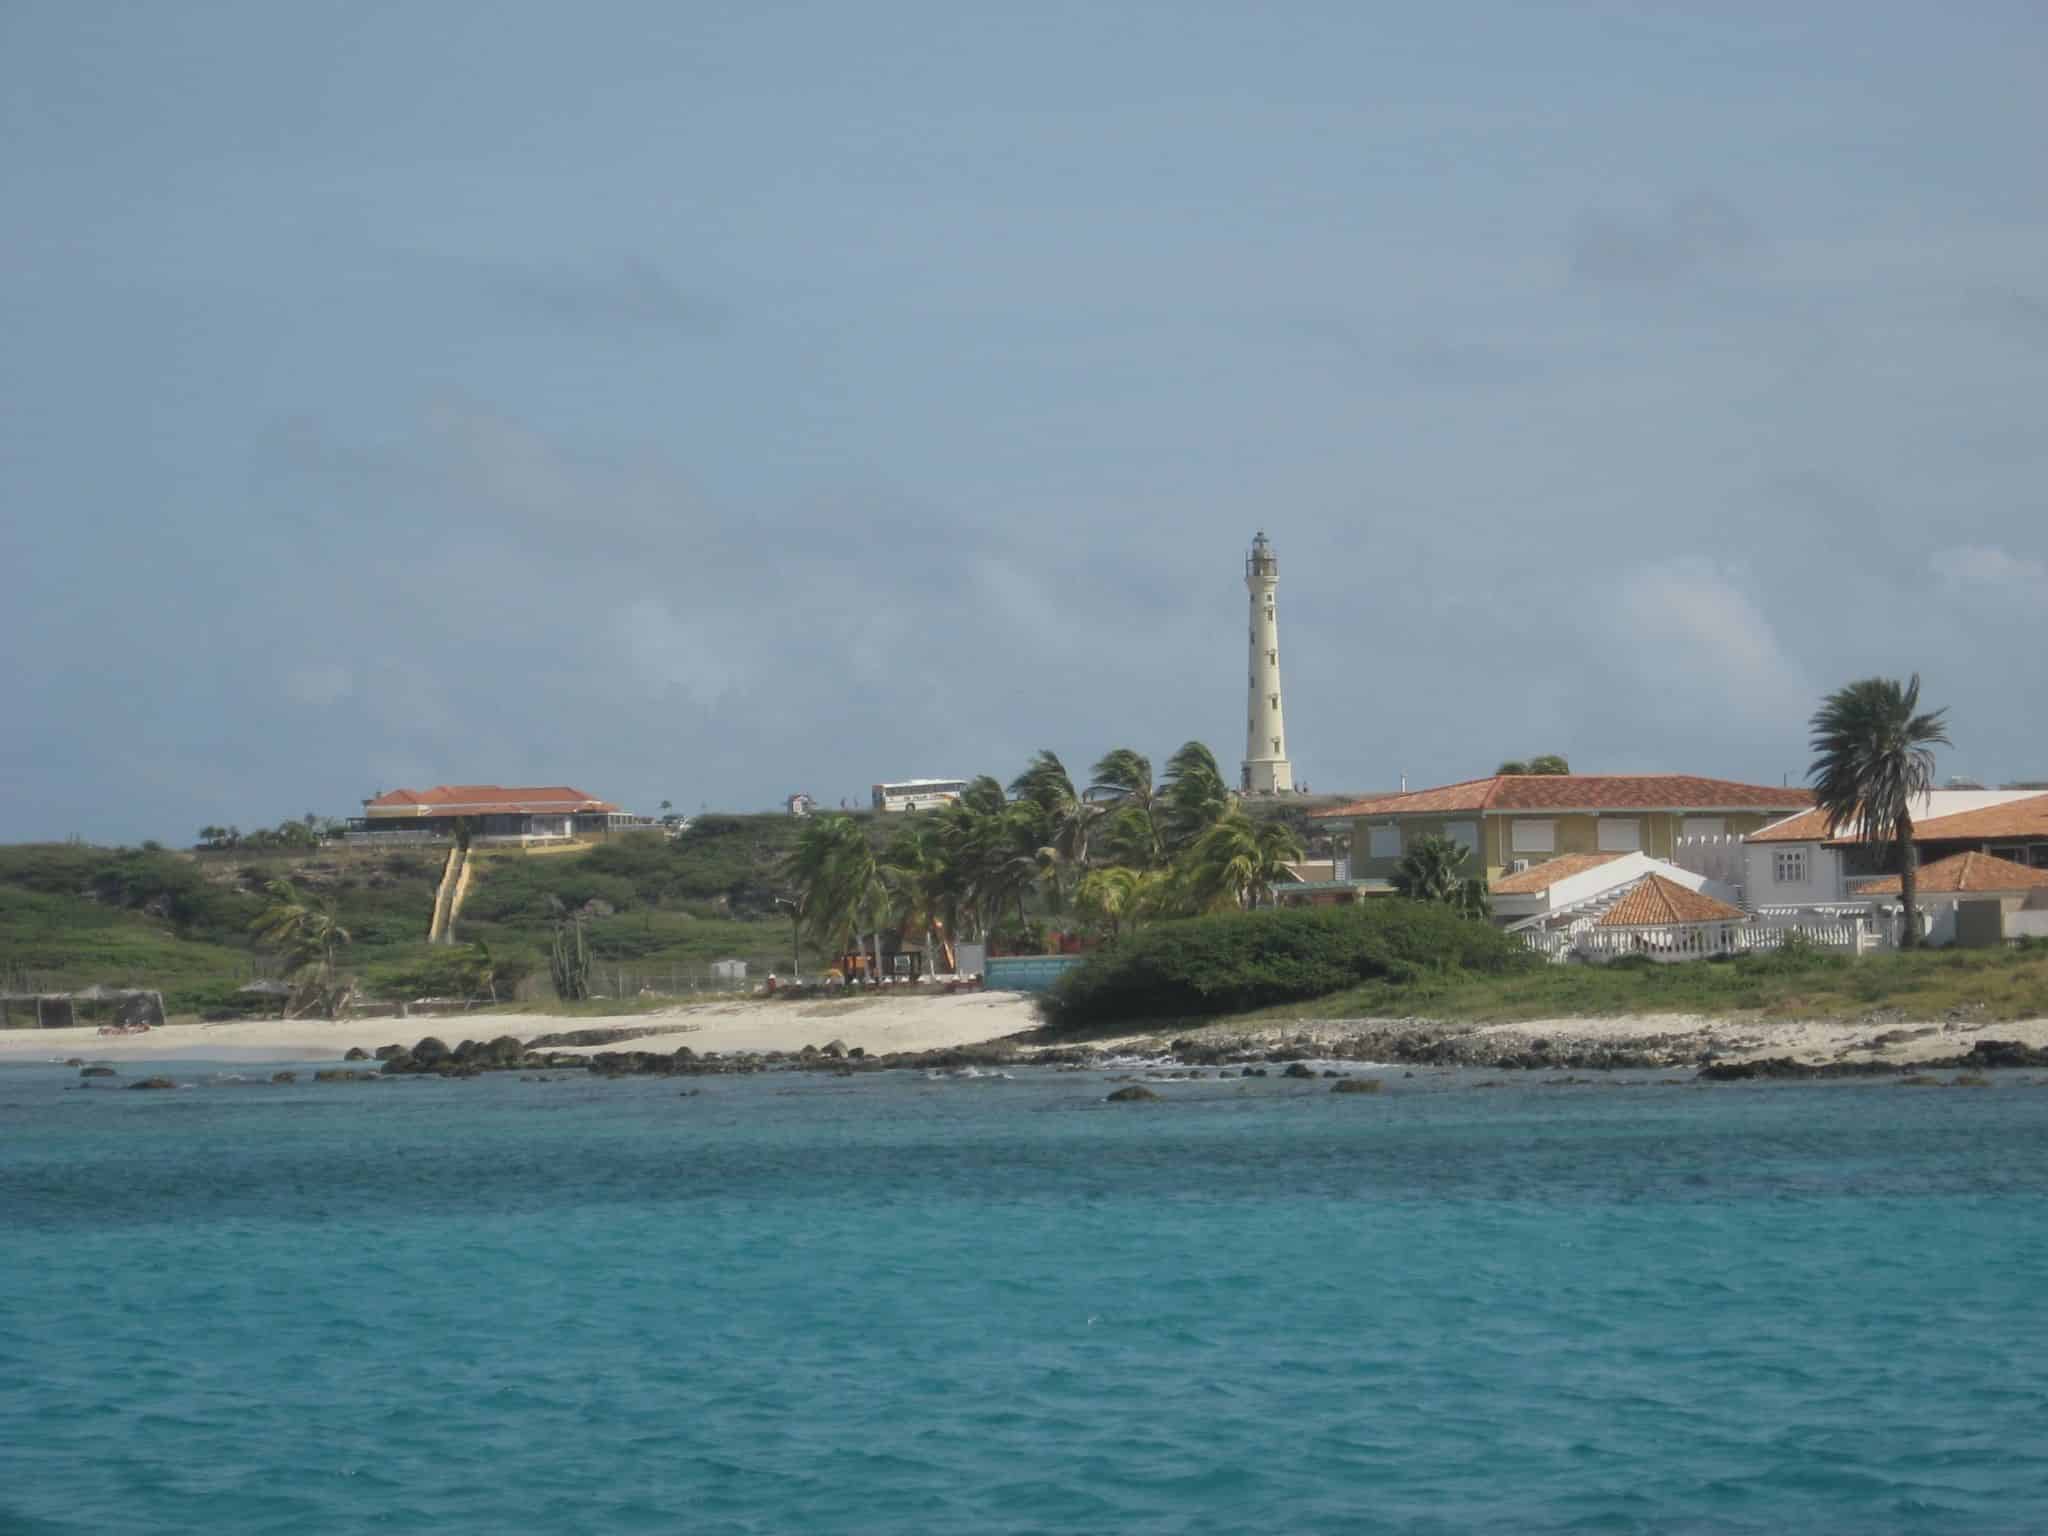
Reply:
x=1239 y=961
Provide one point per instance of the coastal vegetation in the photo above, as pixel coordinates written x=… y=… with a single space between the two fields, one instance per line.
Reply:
x=1235 y=962
x=1007 y=865
x=1963 y=987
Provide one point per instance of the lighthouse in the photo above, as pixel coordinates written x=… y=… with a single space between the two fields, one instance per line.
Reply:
x=1266 y=769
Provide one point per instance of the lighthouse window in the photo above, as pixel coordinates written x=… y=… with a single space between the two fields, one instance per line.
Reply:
x=1272 y=658
x=1273 y=699
x=1276 y=746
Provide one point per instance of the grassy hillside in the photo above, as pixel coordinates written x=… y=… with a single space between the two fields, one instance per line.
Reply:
x=72 y=915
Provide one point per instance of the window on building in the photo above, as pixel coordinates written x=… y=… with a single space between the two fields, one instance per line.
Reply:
x=1620 y=834
x=1272 y=658
x=1788 y=866
x=2014 y=855
x=1534 y=835
x=1276 y=746
x=1464 y=833
x=1383 y=842
x=2039 y=857
x=1705 y=826
x=1273 y=699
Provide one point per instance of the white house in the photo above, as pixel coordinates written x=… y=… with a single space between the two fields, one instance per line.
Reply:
x=1797 y=862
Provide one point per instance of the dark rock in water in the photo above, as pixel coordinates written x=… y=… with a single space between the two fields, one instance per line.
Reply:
x=1131 y=1095
x=356 y=1053
x=835 y=1048
x=1970 y=1080
x=284 y=1077
x=858 y=1052
x=684 y=1053
x=430 y=1052
x=97 y=1072
x=808 y=1051
x=153 y=1082
x=2001 y=1053
x=386 y=1052
x=74 y=1061
x=339 y=1075
x=1786 y=1067
x=1297 y=1069
x=1332 y=1072
x=1356 y=1085
x=505 y=1051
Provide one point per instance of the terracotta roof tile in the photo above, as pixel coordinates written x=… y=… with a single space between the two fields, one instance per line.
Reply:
x=1965 y=874
x=1541 y=877
x=1583 y=792
x=2016 y=818
x=489 y=799
x=2021 y=818
x=1655 y=901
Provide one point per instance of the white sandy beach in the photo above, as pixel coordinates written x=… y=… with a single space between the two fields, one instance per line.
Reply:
x=877 y=1025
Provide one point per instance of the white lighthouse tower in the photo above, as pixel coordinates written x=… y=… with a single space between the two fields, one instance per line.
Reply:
x=1266 y=769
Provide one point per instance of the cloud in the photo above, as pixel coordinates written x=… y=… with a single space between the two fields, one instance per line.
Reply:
x=319 y=685
x=1977 y=571
x=666 y=650
x=1656 y=247
x=1699 y=642
x=630 y=299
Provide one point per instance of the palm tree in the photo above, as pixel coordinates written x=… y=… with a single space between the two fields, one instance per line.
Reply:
x=916 y=869
x=1194 y=795
x=1123 y=789
x=1873 y=756
x=1432 y=870
x=307 y=936
x=1068 y=816
x=1238 y=859
x=841 y=891
x=1110 y=895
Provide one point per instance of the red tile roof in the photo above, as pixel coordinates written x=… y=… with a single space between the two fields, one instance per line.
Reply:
x=1583 y=792
x=486 y=800
x=1965 y=874
x=1541 y=877
x=2018 y=819
x=2015 y=819
x=1655 y=901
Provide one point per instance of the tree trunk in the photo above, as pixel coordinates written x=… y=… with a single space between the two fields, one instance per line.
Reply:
x=1909 y=883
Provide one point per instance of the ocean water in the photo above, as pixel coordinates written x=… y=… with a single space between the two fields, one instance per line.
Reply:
x=882 y=1304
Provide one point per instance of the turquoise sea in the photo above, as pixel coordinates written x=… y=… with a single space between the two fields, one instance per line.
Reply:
x=882 y=1304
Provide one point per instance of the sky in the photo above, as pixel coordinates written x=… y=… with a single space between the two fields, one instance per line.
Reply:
x=703 y=402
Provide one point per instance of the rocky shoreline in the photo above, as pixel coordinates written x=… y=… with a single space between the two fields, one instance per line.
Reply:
x=1403 y=1043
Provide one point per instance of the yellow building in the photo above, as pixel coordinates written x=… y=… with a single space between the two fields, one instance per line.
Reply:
x=1513 y=821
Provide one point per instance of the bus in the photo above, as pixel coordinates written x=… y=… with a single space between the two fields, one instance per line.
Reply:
x=919 y=794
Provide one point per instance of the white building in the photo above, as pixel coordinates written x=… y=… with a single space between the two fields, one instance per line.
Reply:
x=1797 y=862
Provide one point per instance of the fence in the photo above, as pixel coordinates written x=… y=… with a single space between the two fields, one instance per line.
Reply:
x=1853 y=931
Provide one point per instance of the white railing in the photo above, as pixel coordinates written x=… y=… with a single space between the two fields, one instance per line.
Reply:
x=1694 y=941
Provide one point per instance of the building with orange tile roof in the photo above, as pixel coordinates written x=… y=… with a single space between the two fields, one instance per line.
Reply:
x=1801 y=860
x=1514 y=822
x=491 y=812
